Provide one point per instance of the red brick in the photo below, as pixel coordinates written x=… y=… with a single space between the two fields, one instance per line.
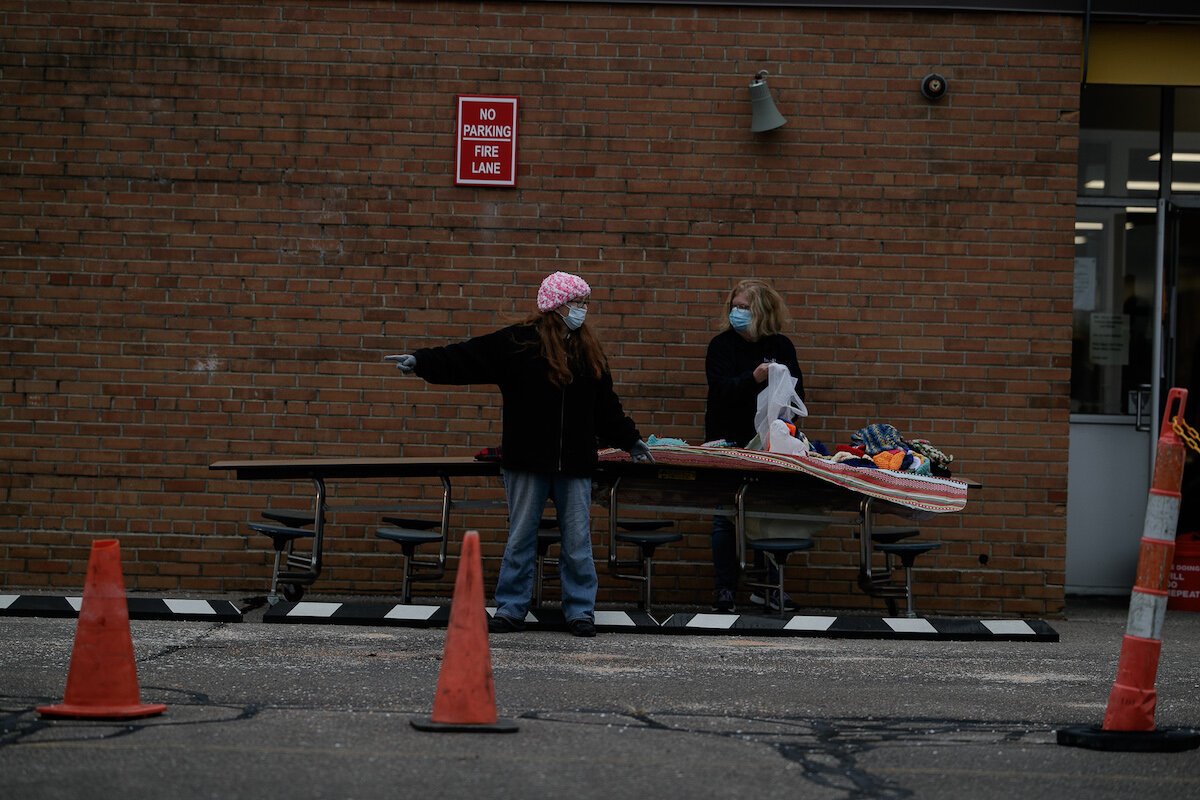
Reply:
x=215 y=273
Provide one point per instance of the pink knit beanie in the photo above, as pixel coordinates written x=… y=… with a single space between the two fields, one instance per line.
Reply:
x=559 y=288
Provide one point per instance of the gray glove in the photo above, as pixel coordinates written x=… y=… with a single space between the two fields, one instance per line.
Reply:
x=405 y=363
x=640 y=453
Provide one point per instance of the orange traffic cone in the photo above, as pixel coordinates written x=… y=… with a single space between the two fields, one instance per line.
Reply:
x=102 y=681
x=1129 y=717
x=466 y=696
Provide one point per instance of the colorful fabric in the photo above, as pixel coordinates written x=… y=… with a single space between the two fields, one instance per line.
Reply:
x=489 y=454
x=889 y=459
x=559 y=288
x=877 y=438
x=655 y=441
x=926 y=448
x=937 y=495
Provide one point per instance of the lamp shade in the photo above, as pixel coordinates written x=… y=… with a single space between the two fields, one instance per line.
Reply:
x=765 y=116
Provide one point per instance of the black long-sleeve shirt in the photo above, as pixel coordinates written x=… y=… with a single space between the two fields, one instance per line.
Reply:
x=546 y=428
x=732 y=390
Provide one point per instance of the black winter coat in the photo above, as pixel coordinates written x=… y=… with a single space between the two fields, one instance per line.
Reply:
x=732 y=390
x=546 y=428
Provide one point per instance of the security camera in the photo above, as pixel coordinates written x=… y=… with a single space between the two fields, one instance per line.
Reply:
x=933 y=86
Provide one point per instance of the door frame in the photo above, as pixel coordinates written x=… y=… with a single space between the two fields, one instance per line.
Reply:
x=1178 y=209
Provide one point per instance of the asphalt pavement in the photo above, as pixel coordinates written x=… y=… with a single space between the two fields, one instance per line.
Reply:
x=258 y=710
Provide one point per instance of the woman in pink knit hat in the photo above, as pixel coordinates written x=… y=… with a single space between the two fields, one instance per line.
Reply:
x=559 y=408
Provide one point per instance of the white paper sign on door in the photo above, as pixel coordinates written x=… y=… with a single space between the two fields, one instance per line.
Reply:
x=1109 y=339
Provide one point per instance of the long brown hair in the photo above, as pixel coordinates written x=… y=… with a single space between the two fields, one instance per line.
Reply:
x=563 y=348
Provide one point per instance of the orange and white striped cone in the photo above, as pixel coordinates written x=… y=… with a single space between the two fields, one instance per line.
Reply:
x=1129 y=718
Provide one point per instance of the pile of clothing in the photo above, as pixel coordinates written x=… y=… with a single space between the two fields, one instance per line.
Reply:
x=877 y=446
x=881 y=446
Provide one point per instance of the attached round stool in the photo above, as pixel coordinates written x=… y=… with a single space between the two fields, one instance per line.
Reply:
x=409 y=540
x=409 y=522
x=289 y=517
x=890 y=534
x=885 y=534
x=647 y=535
x=780 y=549
x=282 y=537
x=907 y=552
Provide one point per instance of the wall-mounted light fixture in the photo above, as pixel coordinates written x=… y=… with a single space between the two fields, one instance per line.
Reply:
x=765 y=116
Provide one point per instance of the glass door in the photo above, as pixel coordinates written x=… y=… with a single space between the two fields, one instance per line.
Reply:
x=1136 y=327
x=1113 y=325
x=1117 y=333
x=1112 y=374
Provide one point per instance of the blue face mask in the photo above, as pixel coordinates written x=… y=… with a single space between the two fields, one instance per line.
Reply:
x=574 y=318
x=739 y=319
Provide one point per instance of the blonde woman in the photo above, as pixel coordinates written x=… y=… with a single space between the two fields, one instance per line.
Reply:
x=736 y=367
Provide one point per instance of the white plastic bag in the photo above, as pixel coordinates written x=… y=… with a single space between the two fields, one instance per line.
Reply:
x=782 y=441
x=778 y=401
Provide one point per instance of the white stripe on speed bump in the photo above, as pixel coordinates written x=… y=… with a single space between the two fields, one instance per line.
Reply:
x=1008 y=627
x=809 y=623
x=189 y=606
x=411 y=612
x=905 y=625
x=616 y=618
x=314 y=609
x=7 y=600
x=76 y=602
x=717 y=621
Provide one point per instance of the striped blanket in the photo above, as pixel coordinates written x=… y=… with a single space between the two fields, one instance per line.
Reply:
x=938 y=495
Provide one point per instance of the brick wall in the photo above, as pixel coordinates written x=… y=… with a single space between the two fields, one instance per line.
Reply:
x=216 y=218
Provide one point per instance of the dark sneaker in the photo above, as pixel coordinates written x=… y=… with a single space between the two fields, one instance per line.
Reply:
x=502 y=624
x=724 y=602
x=759 y=599
x=582 y=627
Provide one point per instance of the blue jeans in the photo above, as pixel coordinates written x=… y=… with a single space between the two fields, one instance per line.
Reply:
x=527 y=493
x=726 y=558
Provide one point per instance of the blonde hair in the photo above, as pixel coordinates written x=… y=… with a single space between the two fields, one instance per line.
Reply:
x=768 y=313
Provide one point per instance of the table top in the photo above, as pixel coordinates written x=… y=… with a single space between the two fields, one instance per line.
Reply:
x=662 y=470
x=315 y=467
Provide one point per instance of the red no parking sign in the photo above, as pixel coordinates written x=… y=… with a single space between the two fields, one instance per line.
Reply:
x=487 y=141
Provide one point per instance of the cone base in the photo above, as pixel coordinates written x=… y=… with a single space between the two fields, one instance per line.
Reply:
x=499 y=726
x=75 y=711
x=1163 y=740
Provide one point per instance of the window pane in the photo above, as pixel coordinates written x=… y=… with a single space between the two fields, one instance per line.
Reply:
x=1186 y=165
x=1113 y=334
x=1118 y=141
